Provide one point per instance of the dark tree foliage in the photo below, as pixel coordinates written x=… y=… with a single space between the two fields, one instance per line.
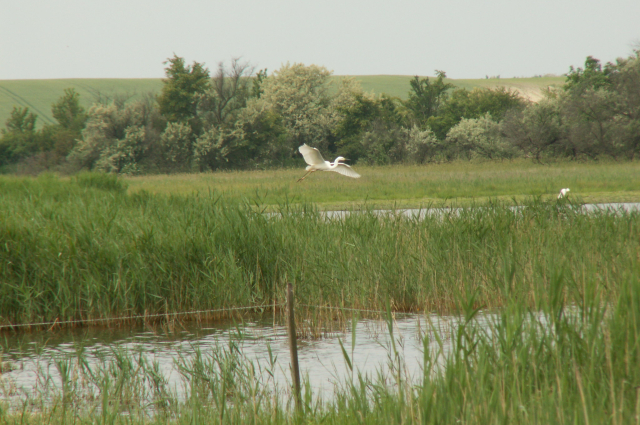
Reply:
x=71 y=118
x=365 y=114
x=20 y=121
x=597 y=114
x=256 y=88
x=178 y=100
x=593 y=76
x=534 y=130
x=480 y=101
x=474 y=104
x=600 y=109
x=625 y=81
x=19 y=137
x=68 y=112
x=265 y=131
x=427 y=96
x=230 y=89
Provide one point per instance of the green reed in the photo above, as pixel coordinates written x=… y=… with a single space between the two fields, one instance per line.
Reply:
x=83 y=249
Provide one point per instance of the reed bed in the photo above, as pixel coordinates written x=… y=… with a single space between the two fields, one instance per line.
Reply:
x=84 y=249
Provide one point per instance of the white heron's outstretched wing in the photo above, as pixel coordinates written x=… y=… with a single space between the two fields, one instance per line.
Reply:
x=311 y=156
x=345 y=170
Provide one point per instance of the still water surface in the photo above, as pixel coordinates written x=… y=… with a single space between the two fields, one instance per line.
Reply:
x=321 y=360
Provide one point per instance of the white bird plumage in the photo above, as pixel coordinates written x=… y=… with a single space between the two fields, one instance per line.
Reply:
x=563 y=192
x=316 y=162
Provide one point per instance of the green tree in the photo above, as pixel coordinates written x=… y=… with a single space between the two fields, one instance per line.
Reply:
x=479 y=137
x=478 y=102
x=265 y=137
x=178 y=99
x=19 y=137
x=175 y=148
x=589 y=118
x=216 y=148
x=117 y=138
x=600 y=109
x=300 y=95
x=474 y=104
x=536 y=129
x=21 y=120
x=626 y=83
x=367 y=114
x=256 y=88
x=421 y=145
x=593 y=76
x=71 y=119
x=230 y=89
x=426 y=97
x=68 y=111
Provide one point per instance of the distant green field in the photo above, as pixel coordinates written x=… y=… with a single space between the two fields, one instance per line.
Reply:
x=398 y=85
x=38 y=95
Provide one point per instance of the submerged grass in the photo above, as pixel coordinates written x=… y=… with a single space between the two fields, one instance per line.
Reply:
x=83 y=249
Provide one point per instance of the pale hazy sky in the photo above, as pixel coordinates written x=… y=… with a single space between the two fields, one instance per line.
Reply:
x=464 y=38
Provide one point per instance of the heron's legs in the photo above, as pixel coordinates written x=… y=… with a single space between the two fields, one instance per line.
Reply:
x=305 y=176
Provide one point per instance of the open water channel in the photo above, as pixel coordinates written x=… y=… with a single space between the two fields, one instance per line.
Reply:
x=30 y=358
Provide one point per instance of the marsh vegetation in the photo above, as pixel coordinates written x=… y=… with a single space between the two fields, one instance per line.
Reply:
x=83 y=248
x=562 y=344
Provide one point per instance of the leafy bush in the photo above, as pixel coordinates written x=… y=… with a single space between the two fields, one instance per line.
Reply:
x=479 y=138
x=116 y=138
x=175 y=147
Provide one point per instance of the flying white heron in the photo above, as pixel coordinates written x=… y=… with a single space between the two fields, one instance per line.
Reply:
x=563 y=192
x=316 y=162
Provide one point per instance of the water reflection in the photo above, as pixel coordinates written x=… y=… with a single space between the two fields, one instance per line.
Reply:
x=321 y=360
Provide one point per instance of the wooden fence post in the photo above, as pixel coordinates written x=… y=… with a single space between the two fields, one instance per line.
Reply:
x=293 y=345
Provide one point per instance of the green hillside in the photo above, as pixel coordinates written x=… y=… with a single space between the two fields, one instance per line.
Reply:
x=398 y=85
x=38 y=95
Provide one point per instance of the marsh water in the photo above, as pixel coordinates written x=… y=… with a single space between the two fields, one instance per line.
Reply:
x=32 y=356
x=611 y=207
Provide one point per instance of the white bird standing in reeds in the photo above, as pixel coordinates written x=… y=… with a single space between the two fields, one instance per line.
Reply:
x=316 y=162
x=563 y=192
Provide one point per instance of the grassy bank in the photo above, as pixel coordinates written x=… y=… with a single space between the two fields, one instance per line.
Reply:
x=83 y=248
x=412 y=186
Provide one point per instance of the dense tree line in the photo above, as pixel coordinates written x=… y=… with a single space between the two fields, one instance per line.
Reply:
x=235 y=118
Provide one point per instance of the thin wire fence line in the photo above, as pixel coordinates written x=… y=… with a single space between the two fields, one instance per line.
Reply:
x=179 y=313
x=135 y=317
x=329 y=307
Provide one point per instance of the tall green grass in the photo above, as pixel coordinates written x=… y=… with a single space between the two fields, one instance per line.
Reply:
x=74 y=250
